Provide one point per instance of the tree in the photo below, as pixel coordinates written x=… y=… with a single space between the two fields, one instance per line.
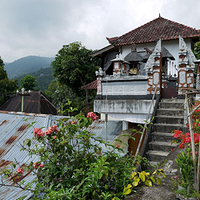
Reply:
x=7 y=86
x=197 y=49
x=74 y=67
x=60 y=94
x=28 y=82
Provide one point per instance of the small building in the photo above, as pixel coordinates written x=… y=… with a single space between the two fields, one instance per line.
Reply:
x=34 y=102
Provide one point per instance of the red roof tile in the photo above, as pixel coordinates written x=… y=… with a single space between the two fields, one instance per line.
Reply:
x=159 y=28
x=90 y=86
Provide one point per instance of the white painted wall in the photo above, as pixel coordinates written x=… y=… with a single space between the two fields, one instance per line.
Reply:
x=125 y=88
x=172 y=46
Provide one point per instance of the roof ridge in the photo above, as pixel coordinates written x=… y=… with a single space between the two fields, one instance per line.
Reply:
x=181 y=30
x=137 y=28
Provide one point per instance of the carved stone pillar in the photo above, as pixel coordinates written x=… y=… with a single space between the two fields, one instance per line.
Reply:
x=153 y=70
x=99 y=75
x=186 y=67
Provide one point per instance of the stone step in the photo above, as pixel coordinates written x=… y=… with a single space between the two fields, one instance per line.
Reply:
x=171 y=105
x=170 y=112
x=173 y=100
x=162 y=146
x=162 y=137
x=163 y=119
x=166 y=128
x=153 y=164
x=156 y=156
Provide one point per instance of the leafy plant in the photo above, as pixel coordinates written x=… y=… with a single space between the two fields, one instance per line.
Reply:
x=185 y=164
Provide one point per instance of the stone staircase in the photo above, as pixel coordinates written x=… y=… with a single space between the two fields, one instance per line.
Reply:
x=169 y=117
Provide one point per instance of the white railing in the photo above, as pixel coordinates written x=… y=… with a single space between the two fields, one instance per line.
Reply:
x=146 y=123
x=171 y=68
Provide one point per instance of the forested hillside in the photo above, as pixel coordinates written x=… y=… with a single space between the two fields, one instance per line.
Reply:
x=27 y=65
x=43 y=78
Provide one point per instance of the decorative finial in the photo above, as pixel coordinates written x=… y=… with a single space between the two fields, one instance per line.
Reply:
x=159 y=15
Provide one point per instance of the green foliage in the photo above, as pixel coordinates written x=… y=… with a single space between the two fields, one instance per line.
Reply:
x=74 y=66
x=185 y=164
x=43 y=78
x=143 y=177
x=71 y=166
x=7 y=86
x=197 y=49
x=60 y=95
x=28 y=82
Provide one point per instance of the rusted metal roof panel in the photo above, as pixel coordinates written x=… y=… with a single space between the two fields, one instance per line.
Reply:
x=13 y=131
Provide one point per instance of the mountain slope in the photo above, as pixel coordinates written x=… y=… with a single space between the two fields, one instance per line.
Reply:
x=43 y=78
x=27 y=65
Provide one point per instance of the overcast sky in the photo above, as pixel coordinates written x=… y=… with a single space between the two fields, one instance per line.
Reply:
x=42 y=27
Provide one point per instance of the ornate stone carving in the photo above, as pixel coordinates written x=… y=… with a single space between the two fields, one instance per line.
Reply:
x=186 y=66
x=187 y=52
x=152 y=61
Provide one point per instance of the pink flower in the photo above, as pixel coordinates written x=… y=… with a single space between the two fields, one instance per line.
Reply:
x=36 y=164
x=41 y=165
x=38 y=132
x=54 y=137
x=74 y=122
x=92 y=116
x=48 y=132
x=175 y=177
x=54 y=128
x=51 y=129
x=117 y=146
x=20 y=170
x=198 y=124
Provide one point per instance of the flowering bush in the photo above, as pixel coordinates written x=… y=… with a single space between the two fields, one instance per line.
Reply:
x=186 y=160
x=72 y=165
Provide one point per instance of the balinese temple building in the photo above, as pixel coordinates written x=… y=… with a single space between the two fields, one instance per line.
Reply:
x=155 y=56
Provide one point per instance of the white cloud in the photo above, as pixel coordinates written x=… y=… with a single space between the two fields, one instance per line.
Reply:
x=35 y=27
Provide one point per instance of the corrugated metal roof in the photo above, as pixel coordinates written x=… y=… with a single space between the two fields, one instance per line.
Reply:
x=107 y=132
x=13 y=131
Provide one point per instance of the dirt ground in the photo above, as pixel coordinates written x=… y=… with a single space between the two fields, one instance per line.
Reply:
x=163 y=191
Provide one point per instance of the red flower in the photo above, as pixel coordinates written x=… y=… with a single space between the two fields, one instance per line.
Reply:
x=196 y=138
x=195 y=152
x=187 y=140
x=172 y=149
x=181 y=146
x=177 y=133
x=74 y=122
x=20 y=170
x=92 y=116
x=117 y=146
